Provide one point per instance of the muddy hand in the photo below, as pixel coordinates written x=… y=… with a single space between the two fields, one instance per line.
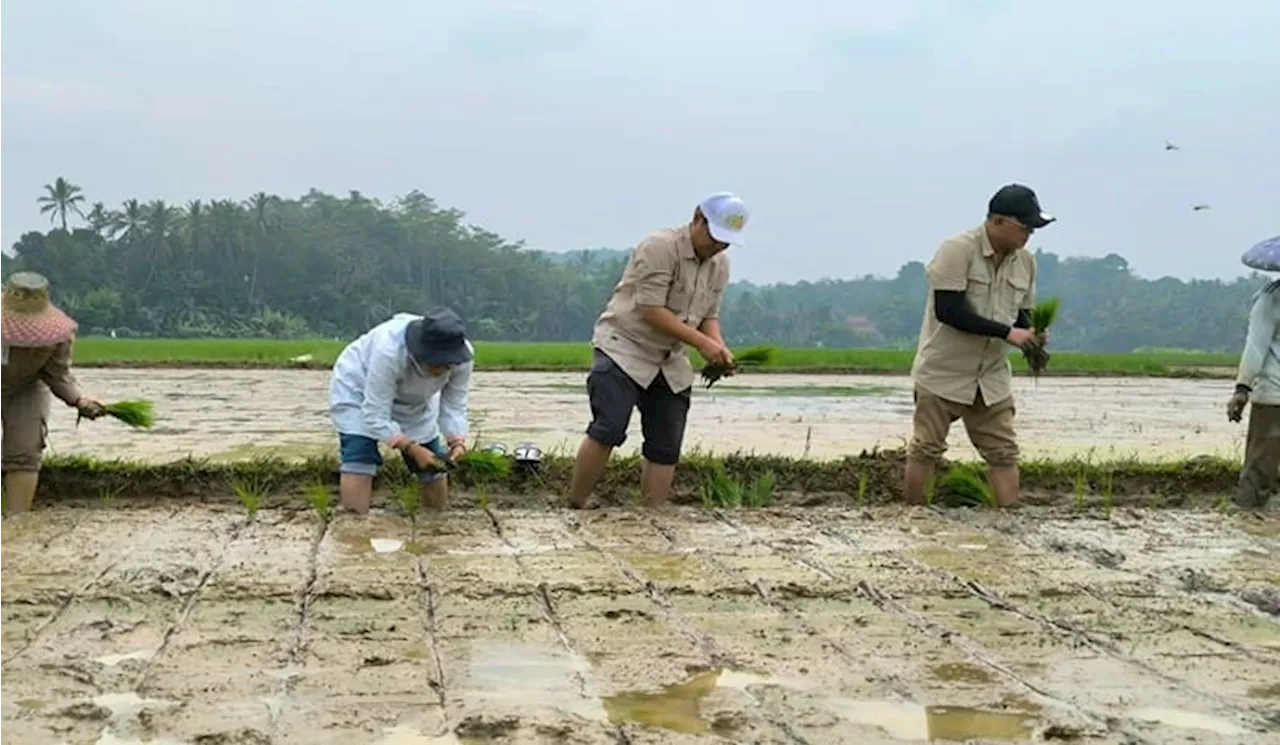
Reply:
x=89 y=408
x=1236 y=404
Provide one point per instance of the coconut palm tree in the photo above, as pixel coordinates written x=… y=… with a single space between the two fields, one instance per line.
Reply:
x=62 y=197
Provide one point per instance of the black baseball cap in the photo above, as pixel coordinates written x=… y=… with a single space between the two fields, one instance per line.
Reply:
x=1019 y=202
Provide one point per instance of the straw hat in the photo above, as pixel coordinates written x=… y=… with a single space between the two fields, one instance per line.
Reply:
x=29 y=318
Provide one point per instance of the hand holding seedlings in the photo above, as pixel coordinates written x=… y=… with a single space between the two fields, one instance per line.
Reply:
x=90 y=408
x=712 y=372
x=423 y=456
x=715 y=353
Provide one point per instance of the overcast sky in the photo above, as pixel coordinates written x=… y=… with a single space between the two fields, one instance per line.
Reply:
x=859 y=133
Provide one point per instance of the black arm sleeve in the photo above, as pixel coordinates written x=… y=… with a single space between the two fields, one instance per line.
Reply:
x=950 y=308
x=1024 y=319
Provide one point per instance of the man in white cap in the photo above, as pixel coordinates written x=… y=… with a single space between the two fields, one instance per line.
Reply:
x=669 y=297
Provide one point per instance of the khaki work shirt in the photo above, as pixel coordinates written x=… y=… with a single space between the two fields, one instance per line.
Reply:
x=24 y=366
x=954 y=364
x=663 y=270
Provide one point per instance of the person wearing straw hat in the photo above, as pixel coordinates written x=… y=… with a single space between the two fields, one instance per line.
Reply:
x=37 y=340
x=1258 y=385
x=404 y=383
x=668 y=297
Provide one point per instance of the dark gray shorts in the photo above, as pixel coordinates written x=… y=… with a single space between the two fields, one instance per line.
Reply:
x=663 y=413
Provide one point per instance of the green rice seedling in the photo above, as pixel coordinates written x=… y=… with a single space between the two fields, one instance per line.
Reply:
x=863 y=482
x=482 y=497
x=409 y=497
x=1108 y=492
x=107 y=495
x=138 y=414
x=964 y=486
x=317 y=495
x=485 y=467
x=753 y=357
x=719 y=489
x=1080 y=489
x=760 y=493
x=251 y=492
x=1042 y=317
x=930 y=490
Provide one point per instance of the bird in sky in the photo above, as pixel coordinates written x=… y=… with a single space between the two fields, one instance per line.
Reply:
x=1170 y=146
x=1199 y=207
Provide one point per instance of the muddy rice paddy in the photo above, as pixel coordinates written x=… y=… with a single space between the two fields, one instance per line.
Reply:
x=234 y=414
x=188 y=623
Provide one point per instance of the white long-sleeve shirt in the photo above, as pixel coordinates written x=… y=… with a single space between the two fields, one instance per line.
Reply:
x=1260 y=361
x=378 y=390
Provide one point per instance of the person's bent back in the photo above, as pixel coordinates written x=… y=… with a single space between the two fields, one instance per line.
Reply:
x=404 y=383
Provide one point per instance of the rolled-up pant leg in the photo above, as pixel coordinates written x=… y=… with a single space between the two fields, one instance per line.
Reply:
x=26 y=416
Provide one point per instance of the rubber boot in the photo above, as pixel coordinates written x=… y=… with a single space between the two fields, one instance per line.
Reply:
x=20 y=491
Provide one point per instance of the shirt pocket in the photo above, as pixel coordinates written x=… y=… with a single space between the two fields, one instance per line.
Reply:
x=1015 y=289
x=978 y=291
x=679 y=298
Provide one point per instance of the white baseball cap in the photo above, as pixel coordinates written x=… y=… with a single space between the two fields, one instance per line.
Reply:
x=726 y=217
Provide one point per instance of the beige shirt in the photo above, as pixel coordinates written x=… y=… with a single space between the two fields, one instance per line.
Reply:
x=663 y=270
x=24 y=366
x=954 y=364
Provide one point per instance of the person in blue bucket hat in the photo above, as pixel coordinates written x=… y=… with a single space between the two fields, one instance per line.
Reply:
x=403 y=384
x=1258 y=381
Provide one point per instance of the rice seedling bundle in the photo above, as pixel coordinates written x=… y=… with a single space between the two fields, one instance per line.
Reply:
x=753 y=357
x=1042 y=317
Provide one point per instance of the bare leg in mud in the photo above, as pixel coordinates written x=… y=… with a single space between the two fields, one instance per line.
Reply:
x=20 y=490
x=356 y=491
x=655 y=483
x=25 y=415
x=588 y=467
x=1004 y=483
x=435 y=494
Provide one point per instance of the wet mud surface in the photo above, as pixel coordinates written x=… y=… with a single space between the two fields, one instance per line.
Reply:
x=235 y=414
x=195 y=624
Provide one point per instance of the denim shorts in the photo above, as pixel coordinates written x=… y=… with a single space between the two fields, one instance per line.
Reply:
x=359 y=454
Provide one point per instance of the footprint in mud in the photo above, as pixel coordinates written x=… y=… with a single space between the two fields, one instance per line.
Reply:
x=1103 y=557
x=479 y=727
x=1265 y=599
x=1194 y=580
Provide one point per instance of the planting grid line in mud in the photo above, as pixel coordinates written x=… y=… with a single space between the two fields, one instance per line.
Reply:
x=1053 y=624
x=1261 y=721
x=1091 y=721
x=1262 y=600
x=67 y=598
x=683 y=626
x=714 y=650
x=295 y=660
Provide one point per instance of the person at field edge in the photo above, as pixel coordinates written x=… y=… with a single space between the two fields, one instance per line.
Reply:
x=1258 y=380
x=668 y=297
x=404 y=383
x=37 y=342
x=982 y=286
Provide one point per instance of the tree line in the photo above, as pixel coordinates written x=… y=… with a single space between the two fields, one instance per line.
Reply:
x=330 y=265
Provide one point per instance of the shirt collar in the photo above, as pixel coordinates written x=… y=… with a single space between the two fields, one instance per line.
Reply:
x=985 y=241
x=684 y=243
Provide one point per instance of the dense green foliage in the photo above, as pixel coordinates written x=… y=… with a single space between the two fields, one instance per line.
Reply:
x=323 y=265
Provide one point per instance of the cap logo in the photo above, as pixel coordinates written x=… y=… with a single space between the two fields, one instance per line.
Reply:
x=735 y=221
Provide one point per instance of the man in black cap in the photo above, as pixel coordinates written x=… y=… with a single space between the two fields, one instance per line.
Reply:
x=404 y=383
x=982 y=288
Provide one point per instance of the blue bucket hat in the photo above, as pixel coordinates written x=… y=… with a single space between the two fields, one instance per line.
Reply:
x=1264 y=256
x=438 y=338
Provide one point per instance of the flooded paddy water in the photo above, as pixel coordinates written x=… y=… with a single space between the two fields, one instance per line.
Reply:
x=192 y=623
x=233 y=414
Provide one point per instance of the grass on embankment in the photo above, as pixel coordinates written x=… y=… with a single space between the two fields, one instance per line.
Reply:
x=871 y=478
x=93 y=351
